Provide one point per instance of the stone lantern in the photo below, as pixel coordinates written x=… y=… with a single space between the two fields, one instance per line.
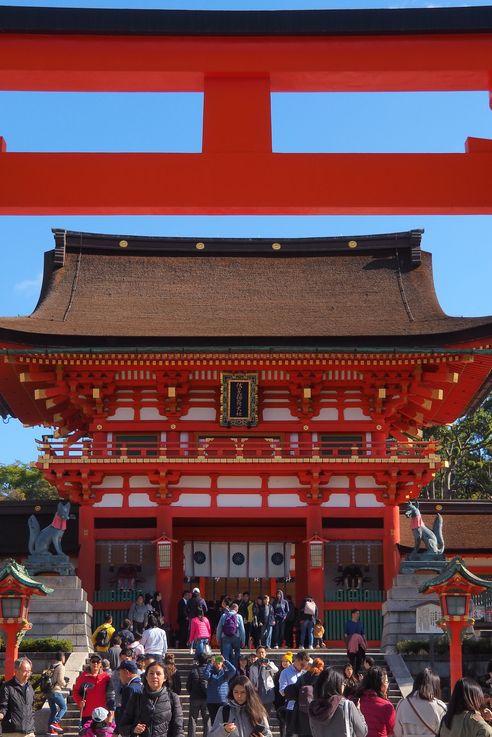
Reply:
x=455 y=586
x=16 y=589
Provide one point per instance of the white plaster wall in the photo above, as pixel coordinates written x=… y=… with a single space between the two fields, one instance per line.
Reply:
x=110 y=500
x=140 y=500
x=367 y=500
x=276 y=414
x=141 y=482
x=151 y=413
x=239 y=500
x=193 y=500
x=354 y=413
x=283 y=482
x=285 y=500
x=326 y=413
x=122 y=413
x=200 y=413
x=337 y=500
x=239 y=482
x=110 y=482
x=193 y=482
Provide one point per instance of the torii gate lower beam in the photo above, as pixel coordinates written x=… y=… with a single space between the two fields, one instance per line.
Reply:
x=238 y=64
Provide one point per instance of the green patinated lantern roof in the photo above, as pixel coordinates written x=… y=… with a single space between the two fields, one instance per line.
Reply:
x=455 y=566
x=19 y=573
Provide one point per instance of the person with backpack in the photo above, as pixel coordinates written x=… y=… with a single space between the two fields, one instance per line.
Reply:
x=231 y=635
x=196 y=685
x=302 y=692
x=261 y=676
x=101 y=637
x=308 y=614
x=56 y=699
x=126 y=634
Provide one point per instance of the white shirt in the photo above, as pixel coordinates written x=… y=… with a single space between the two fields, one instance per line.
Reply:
x=154 y=640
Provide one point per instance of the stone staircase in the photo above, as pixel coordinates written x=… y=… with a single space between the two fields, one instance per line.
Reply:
x=63 y=615
x=184 y=661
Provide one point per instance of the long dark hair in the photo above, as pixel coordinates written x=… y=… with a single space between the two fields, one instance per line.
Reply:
x=329 y=683
x=467 y=696
x=427 y=685
x=373 y=681
x=253 y=706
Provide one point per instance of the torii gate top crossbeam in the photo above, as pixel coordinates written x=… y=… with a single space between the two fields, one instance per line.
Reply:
x=238 y=59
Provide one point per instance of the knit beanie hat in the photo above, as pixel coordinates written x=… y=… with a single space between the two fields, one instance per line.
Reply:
x=288 y=656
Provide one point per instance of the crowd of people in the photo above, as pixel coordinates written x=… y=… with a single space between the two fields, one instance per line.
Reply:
x=307 y=696
x=132 y=685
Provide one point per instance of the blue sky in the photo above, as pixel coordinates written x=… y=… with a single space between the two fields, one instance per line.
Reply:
x=405 y=122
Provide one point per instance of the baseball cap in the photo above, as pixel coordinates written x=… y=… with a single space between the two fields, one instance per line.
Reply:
x=95 y=658
x=195 y=591
x=100 y=714
x=128 y=665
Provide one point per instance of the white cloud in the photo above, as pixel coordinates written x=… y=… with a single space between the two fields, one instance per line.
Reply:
x=29 y=287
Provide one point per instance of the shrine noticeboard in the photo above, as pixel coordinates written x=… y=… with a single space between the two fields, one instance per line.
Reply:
x=428 y=615
x=239 y=400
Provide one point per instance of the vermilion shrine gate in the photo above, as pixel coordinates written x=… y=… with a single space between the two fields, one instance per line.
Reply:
x=241 y=398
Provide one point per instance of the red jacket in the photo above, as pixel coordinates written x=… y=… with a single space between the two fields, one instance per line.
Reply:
x=199 y=629
x=379 y=714
x=101 y=694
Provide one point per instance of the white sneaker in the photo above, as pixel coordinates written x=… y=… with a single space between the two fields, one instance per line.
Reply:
x=276 y=647
x=191 y=651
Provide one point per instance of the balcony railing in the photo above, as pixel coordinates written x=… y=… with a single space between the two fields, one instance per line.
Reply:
x=224 y=450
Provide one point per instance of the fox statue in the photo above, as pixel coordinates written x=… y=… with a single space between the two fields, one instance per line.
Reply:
x=41 y=539
x=432 y=539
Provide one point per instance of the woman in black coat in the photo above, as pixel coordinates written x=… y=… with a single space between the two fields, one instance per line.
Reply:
x=156 y=712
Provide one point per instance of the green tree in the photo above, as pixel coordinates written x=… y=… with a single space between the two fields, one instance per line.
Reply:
x=20 y=482
x=467 y=447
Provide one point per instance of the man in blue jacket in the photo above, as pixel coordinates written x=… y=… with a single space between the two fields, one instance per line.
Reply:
x=131 y=682
x=218 y=674
x=231 y=634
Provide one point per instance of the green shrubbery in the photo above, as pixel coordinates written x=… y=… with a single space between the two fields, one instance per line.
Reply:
x=42 y=645
x=471 y=645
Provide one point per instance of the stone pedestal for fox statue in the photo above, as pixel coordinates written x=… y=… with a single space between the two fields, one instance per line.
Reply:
x=40 y=558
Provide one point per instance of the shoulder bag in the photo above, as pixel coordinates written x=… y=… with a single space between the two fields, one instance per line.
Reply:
x=409 y=702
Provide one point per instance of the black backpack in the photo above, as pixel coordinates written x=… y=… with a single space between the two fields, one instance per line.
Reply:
x=102 y=638
x=46 y=680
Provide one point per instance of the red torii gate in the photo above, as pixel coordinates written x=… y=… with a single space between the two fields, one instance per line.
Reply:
x=237 y=59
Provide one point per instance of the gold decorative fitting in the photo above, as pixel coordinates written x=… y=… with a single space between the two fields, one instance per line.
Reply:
x=123 y=244
x=276 y=246
x=199 y=246
x=173 y=427
x=352 y=244
x=99 y=427
x=305 y=427
x=438 y=507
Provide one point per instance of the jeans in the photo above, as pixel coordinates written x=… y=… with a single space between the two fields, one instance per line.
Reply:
x=230 y=647
x=58 y=706
x=266 y=635
x=307 y=627
x=200 y=644
x=278 y=634
x=197 y=708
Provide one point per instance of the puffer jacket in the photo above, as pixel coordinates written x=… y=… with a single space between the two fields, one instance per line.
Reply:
x=327 y=718
x=239 y=716
x=17 y=705
x=218 y=682
x=160 y=710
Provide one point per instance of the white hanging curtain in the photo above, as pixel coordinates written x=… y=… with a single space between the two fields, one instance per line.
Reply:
x=238 y=560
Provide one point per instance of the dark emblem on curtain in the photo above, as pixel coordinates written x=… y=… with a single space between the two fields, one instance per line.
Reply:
x=238 y=406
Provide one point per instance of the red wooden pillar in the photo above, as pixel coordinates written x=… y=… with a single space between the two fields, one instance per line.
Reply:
x=86 y=568
x=315 y=576
x=164 y=576
x=177 y=585
x=391 y=538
